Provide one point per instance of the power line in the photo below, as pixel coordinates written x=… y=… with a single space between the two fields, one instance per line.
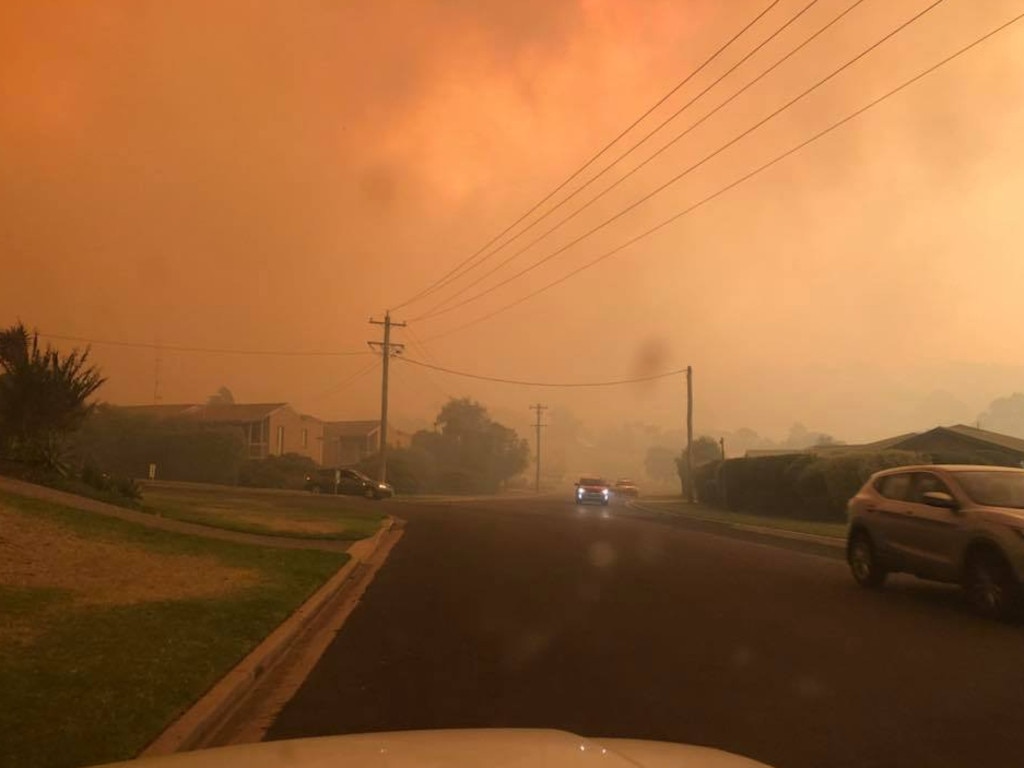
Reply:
x=760 y=169
x=622 y=156
x=518 y=382
x=451 y=274
x=409 y=376
x=208 y=350
x=686 y=171
x=422 y=347
x=346 y=383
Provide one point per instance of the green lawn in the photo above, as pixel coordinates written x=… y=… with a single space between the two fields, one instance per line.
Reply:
x=91 y=671
x=698 y=511
x=293 y=515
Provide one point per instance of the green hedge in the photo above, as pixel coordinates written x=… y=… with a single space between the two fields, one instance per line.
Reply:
x=794 y=485
x=125 y=444
x=288 y=471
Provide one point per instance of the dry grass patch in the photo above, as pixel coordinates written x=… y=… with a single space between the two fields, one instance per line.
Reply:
x=109 y=629
x=40 y=554
x=293 y=515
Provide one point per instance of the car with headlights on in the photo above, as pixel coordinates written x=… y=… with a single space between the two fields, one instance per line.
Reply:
x=592 y=489
x=625 y=488
x=348 y=482
x=961 y=524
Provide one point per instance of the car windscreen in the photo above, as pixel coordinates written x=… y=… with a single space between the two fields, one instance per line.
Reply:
x=592 y=481
x=993 y=489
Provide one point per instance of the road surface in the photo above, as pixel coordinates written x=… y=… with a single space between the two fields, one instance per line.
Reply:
x=533 y=613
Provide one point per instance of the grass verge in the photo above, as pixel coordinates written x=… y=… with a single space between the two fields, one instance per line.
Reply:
x=298 y=515
x=88 y=683
x=700 y=512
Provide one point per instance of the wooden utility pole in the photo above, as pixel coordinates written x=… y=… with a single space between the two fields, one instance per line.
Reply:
x=539 y=409
x=387 y=349
x=689 y=435
x=721 y=443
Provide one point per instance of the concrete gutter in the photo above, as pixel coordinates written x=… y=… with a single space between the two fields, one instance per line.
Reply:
x=204 y=718
x=761 y=530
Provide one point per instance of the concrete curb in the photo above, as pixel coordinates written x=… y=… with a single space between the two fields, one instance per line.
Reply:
x=760 y=530
x=211 y=711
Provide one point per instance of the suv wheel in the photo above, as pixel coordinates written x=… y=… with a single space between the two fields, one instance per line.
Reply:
x=864 y=565
x=991 y=587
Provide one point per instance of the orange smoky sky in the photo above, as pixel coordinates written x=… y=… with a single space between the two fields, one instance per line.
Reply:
x=231 y=177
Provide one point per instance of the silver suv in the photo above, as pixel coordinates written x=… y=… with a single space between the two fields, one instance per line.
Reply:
x=951 y=523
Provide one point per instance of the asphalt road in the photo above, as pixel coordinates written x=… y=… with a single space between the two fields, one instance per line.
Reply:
x=530 y=613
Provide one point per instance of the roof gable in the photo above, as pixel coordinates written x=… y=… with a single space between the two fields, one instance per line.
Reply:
x=235 y=413
x=363 y=428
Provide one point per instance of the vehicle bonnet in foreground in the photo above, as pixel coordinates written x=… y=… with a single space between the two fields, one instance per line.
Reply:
x=524 y=748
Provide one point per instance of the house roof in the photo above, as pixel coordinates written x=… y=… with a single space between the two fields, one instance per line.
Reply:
x=351 y=428
x=160 y=411
x=985 y=436
x=909 y=440
x=236 y=413
x=888 y=442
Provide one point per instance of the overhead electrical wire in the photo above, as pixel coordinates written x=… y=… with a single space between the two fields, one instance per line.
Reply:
x=415 y=376
x=346 y=383
x=207 y=350
x=451 y=274
x=560 y=385
x=632 y=206
x=422 y=347
x=792 y=19
x=760 y=169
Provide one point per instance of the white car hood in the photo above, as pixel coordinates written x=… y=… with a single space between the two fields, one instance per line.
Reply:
x=493 y=748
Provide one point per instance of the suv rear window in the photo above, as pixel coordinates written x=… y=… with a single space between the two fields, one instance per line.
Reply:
x=894 y=486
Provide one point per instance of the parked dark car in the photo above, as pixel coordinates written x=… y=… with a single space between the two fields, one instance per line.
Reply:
x=348 y=482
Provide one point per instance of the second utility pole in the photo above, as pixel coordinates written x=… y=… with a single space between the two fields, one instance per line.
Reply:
x=386 y=348
x=538 y=408
x=689 y=435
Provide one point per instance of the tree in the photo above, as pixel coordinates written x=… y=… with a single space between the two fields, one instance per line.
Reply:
x=222 y=396
x=660 y=463
x=469 y=451
x=825 y=440
x=800 y=437
x=705 y=450
x=43 y=397
x=1006 y=415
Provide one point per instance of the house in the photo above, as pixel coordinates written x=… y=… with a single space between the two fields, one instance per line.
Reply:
x=956 y=444
x=349 y=442
x=961 y=443
x=270 y=429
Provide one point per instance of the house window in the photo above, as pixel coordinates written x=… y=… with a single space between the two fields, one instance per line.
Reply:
x=257 y=434
x=280 y=440
x=305 y=438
